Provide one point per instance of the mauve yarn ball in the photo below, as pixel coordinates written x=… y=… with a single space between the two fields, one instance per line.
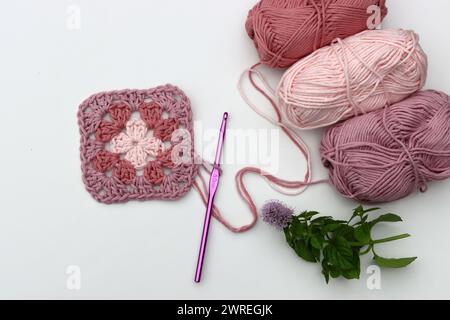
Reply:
x=284 y=31
x=388 y=154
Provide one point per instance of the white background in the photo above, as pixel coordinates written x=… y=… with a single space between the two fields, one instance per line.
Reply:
x=149 y=250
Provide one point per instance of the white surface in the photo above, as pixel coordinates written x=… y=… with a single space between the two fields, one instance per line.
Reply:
x=149 y=250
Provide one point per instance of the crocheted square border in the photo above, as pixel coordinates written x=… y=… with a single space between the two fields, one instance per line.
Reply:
x=137 y=145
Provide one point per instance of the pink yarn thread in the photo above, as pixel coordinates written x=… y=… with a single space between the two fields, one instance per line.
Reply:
x=284 y=31
x=388 y=154
x=362 y=73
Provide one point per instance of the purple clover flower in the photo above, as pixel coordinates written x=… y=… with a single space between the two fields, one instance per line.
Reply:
x=277 y=214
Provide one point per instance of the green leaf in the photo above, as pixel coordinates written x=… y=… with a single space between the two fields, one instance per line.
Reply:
x=345 y=251
x=288 y=236
x=361 y=213
x=339 y=254
x=316 y=254
x=351 y=274
x=355 y=272
x=326 y=271
x=307 y=215
x=335 y=273
x=330 y=255
x=303 y=251
x=331 y=227
x=345 y=231
x=299 y=229
x=321 y=221
x=317 y=242
x=343 y=246
x=370 y=210
x=394 y=263
x=362 y=234
x=390 y=217
x=363 y=220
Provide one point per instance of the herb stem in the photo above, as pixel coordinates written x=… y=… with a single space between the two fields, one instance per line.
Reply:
x=390 y=239
x=366 y=251
x=385 y=240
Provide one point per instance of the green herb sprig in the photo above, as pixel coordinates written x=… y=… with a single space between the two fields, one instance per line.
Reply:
x=338 y=244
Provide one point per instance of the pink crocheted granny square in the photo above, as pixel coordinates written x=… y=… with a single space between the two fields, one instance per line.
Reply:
x=137 y=144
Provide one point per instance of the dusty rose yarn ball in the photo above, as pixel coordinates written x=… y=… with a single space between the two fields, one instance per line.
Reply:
x=285 y=31
x=390 y=153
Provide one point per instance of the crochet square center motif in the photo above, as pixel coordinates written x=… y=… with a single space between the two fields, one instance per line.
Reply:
x=137 y=144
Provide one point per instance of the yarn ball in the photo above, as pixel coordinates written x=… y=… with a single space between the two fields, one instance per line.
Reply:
x=284 y=31
x=390 y=153
x=354 y=76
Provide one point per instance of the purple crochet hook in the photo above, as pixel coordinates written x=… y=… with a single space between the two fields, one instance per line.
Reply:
x=213 y=184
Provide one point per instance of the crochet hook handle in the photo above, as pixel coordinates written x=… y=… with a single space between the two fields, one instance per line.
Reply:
x=213 y=185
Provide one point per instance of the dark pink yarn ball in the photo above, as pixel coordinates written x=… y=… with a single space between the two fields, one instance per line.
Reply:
x=284 y=31
x=390 y=153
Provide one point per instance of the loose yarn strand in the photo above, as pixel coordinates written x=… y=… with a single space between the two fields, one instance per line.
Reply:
x=293 y=136
x=271 y=91
x=202 y=190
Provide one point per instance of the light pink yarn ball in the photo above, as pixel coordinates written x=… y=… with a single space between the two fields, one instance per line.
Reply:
x=354 y=76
